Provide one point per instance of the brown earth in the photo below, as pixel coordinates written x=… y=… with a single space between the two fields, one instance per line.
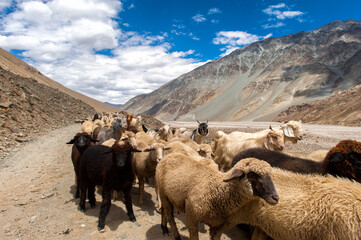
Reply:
x=344 y=108
x=37 y=187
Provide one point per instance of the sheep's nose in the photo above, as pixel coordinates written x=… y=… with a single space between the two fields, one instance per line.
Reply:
x=158 y=159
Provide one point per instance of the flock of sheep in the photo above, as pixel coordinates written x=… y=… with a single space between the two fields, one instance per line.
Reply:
x=240 y=178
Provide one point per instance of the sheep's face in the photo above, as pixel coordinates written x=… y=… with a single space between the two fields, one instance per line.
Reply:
x=82 y=141
x=156 y=152
x=292 y=131
x=275 y=141
x=263 y=187
x=257 y=173
x=203 y=129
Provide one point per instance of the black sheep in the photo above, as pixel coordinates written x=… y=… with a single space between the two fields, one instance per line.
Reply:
x=81 y=141
x=343 y=160
x=110 y=168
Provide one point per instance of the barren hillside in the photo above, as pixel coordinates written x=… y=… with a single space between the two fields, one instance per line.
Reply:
x=13 y=64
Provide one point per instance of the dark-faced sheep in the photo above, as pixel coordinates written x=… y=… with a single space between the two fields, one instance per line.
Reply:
x=343 y=160
x=110 y=168
x=81 y=141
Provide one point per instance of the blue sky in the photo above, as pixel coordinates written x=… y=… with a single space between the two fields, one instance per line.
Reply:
x=114 y=50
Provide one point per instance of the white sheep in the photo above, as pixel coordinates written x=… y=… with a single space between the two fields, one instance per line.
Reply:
x=227 y=146
x=207 y=195
x=292 y=131
x=310 y=207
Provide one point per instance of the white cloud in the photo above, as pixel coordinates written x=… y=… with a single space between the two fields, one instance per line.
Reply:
x=61 y=39
x=4 y=4
x=235 y=39
x=214 y=11
x=276 y=25
x=199 y=18
x=274 y=10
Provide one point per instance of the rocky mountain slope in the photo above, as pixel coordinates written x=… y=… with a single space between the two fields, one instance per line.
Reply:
x=343 y=108
x=13 y=64
x=28 y=108
x=260 y=80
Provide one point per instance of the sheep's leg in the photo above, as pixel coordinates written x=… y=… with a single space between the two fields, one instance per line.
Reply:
x=77 y=182
x=192 y=226
x=164 y=222
x=128 y=203
x=104 y=208
x=167 y=208
x=216 y=232
x=91 y=195
x=157 y=208
x=83 y=188
x=258 y=234
x=141 y=190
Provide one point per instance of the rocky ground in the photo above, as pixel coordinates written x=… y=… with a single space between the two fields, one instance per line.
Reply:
x=37 y=187
x=28 y=108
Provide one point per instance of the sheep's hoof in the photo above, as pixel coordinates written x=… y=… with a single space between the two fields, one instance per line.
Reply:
x=132 y=218
x=81 y=208
x=165 y=230
x=101 y=227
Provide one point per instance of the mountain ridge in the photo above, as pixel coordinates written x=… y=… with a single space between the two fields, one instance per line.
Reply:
x=258 y=81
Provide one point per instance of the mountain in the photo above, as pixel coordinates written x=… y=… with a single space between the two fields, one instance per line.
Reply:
x=260 y=80
x=9 y=62
x=114 y=105
x=343 y=108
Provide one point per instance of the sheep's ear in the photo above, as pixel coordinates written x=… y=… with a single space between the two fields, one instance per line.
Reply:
x=288 y=131
x=147 y=150
x=207 y=121
x=270 y=127
x=71 y=142
x=338 y=157
x=235 y=173
x=212 y=155
x=135 y=150
x=167 y=148
x=198 y=122
x=108 y=151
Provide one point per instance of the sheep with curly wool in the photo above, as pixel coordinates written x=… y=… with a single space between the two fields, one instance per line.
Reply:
x=207 y=195
x=311 y=206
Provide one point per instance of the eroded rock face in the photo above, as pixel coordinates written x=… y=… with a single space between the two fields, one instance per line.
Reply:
x=260 y=80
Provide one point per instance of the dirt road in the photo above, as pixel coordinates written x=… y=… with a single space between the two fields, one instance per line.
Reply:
x=37 y=186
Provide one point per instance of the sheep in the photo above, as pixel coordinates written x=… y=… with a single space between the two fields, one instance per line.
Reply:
x=110 y=168
x=292 y=131
x=311 y=206
x=87 y=127
x=197 y=134
x=317 y=155
x=188 y=142
x=109 y=142
x=165 y=133
x=227 y=146
x=207 y=195
x=119 y=126
x=205 y=150
x=105 y=134
x=343 y=160
x=144 y=137
x=144 y=163
x=81 y=141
